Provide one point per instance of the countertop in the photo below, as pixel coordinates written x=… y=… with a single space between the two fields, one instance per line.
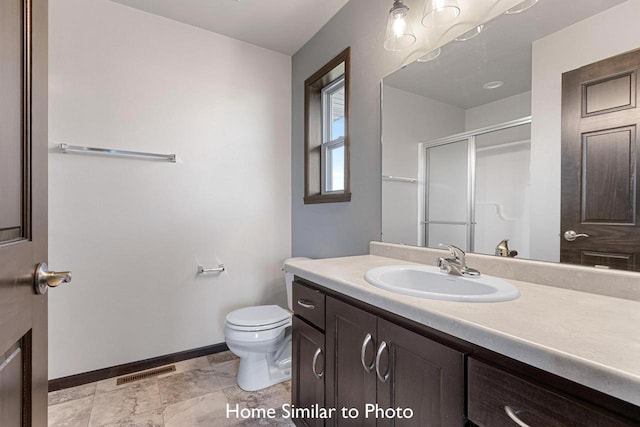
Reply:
x=593 y=340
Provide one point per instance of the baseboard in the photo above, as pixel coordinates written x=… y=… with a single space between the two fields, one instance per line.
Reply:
x=128 y=368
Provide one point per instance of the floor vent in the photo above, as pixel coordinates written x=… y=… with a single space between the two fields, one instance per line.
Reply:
x=146 y=374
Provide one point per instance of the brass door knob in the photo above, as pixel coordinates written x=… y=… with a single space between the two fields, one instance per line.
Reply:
x=45 y=278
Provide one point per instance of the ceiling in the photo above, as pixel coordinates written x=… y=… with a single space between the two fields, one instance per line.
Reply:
x=280 y=25
x=501 y=52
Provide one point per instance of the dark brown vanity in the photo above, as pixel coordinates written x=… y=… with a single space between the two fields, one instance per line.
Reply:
x=350 y=354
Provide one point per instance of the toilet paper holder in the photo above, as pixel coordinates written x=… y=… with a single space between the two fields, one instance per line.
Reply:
x=219 y=269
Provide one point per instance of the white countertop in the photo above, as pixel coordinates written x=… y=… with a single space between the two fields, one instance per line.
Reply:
x=590 y=339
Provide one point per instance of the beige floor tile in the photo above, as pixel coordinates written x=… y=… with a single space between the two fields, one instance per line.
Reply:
x=275 y=422
x=132 y=399
x=271 y=397
x=195 y=395
x=227 y=372
x=224 y=356
x=209 y=410
x=151 y=419
x=187 y=385
x=74 y=413
x=73 y=393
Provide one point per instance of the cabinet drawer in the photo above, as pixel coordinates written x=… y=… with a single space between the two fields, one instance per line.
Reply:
x=498 y=399
x=308 y=303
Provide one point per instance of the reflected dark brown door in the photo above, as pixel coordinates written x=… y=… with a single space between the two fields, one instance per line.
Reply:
x=23 y=211
x=600 y=120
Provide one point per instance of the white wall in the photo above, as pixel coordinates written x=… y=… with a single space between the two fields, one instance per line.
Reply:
x=407 y=120
x=604 y=35
x=500 y=111
x=502 y=197
x=133 y=231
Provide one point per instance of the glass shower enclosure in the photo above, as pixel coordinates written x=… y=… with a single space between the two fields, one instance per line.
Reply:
x=476 y=188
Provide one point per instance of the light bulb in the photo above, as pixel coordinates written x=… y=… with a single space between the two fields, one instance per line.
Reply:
x=398 y=35
x=399 y=26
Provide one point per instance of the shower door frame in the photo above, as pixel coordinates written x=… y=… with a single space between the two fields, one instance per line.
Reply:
x=423 y=174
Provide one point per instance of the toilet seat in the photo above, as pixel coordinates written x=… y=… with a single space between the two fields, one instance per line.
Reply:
x=258 y=318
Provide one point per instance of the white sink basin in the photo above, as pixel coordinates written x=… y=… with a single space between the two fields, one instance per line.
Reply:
x=429 y=282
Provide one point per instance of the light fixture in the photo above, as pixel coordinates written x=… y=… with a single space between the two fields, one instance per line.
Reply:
x=430 y=56
x=398 y=35
x=493 y=85
x=470 y=34
x=439 y=13
x=521 y=7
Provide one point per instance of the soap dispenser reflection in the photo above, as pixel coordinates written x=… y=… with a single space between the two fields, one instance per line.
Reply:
x=503 y=249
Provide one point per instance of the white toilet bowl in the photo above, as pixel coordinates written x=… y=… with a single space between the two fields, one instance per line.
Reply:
x=261 y=337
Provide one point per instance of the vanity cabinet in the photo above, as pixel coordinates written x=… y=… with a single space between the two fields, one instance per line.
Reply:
x=374 y=364
x=354 y=355
x=499 y=399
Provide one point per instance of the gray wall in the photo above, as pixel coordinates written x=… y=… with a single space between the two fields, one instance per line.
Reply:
x=337 y=229
x=340 y=229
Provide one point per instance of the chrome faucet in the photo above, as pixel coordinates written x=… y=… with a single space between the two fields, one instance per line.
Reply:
x=503 y=249
x=456 y=264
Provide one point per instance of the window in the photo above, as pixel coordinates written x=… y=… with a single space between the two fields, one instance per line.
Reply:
x=326 y=133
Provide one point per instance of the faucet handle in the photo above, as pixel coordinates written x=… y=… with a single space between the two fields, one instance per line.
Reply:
x=457 y=253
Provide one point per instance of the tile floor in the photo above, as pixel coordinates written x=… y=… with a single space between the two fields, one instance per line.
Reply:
x=195 y=395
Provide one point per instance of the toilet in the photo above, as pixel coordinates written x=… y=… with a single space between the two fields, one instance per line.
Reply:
x=261 y=337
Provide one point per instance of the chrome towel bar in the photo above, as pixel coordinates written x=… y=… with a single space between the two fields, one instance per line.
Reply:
x=66 y=148
x=399 y=179
x=218 y=269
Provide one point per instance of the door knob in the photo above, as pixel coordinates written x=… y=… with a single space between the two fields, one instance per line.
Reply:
x=45 y=278
x=571 y=235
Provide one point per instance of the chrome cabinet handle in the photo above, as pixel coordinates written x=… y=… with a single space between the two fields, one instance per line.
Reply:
x=571 y=235
x=44 y=279
x=306 y=304
x=513 y=414
x=363 y=351
x=381 y=377
x=313 y=364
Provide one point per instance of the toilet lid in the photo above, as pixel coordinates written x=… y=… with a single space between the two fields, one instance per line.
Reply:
x=261 y=315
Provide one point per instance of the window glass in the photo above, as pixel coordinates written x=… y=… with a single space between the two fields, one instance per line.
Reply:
x=335 y=168
x=333 y=137
x=337 y=113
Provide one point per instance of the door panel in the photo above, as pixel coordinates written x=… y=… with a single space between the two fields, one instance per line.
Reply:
x=608 y=171
x=23 y=211
x=610 y=94
x=11 y=387
x=600 y=155
x=11 y=101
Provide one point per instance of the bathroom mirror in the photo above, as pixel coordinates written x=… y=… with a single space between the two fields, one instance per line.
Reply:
x=471 y=150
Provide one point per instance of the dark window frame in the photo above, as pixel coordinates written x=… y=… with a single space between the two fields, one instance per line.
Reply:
x=313 y=124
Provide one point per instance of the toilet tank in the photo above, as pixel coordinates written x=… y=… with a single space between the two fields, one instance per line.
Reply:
x=288 y=278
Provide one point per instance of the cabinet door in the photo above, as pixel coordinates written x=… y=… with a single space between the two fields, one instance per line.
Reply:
x=349 y=383
x=421 y=374
x=308 y=375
